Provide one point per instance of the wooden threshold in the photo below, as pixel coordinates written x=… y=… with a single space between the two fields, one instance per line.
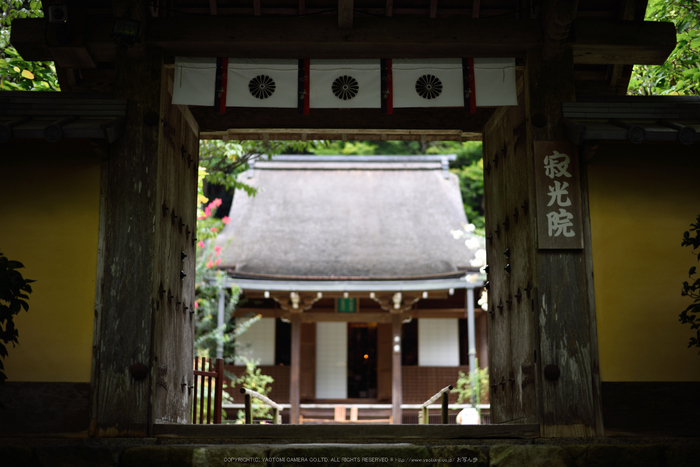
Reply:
x=315 y=433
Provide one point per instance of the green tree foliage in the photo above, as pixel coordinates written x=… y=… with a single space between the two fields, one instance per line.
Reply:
x=468 y=166
x=17 y=74
x=13 y=297
x=223 y=161
x=255 y=380
x=220 y=163
x=209 y=284
x=691 y=315
x=473 y=388
x=680 y=74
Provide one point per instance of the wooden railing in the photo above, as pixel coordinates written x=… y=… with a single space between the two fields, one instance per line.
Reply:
x=202 y=401
x=423 y=415
x=249 y=394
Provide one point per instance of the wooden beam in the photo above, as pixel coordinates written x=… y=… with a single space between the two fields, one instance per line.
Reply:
x=396 y=381
x=596 y=42
x=433 y=8
x=328 y=315
x=311 y=317
x=256 y=8
x=295 y=370
x=345 y=14
x=285 y=134
x=319 y=433
x=476 y=4
x=389 y=12
x=619 y=75
x=331 y=119
x=635 y=42
x=557 y=19
x=212 y=7
x=320 y=37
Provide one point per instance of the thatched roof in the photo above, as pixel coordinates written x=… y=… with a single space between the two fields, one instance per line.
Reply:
x=347 y=217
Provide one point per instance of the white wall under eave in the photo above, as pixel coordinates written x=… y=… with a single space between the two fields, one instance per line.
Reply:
x=258 y=343
x=331 y=360
x=438 y=342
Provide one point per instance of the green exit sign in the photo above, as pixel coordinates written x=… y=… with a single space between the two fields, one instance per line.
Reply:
x=346 y=305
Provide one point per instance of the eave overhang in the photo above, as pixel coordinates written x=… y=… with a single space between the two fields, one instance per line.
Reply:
x=470 y=281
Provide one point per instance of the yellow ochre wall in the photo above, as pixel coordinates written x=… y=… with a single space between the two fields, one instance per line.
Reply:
x=49 y=220
x=642 y=199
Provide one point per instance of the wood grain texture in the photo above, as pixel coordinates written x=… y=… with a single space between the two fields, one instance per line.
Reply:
x=498 y=326
x=295 y=370
x=345 y=14
x=384 y=361
x=315 y=433
x=308 y=361
x=561 y=294
x=402 y=119
x=597 y=42
x=145 y=340
x=175 y=230
x=590 y=286
x=511 y=245
x=122 y=400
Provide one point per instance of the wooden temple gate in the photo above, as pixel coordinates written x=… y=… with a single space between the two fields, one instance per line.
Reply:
x=146 y=290
x=542 y=334
x=543 y=353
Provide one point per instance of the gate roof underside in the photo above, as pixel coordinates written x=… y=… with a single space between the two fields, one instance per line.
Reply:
x=607 y=37
x=347 y=218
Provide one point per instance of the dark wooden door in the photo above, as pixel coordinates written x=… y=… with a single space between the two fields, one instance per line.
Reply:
x=511 y=248
x=175 y=229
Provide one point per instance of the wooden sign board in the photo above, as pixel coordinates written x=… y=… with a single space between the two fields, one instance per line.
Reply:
x=558 y=190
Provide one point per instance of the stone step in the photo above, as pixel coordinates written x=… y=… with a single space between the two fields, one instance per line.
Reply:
x=501 y=453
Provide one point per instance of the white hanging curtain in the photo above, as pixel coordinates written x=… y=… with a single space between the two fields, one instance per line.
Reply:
x=194 y=81
x=494 y=80
x=343 y=84
x=337 y=84
x=262 y=83
x=428 y=83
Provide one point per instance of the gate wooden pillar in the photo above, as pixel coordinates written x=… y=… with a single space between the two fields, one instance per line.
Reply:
x=541 y=324
x=396 y=370
x=295 y=369
x=143 y=344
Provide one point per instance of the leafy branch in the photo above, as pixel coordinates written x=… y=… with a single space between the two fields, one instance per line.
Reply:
x=13 y=297
x=223 y=161
x=691 y=315
x=680 y=74
x=17 y=74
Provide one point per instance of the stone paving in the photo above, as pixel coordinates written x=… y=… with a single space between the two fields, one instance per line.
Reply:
x=678 y=452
